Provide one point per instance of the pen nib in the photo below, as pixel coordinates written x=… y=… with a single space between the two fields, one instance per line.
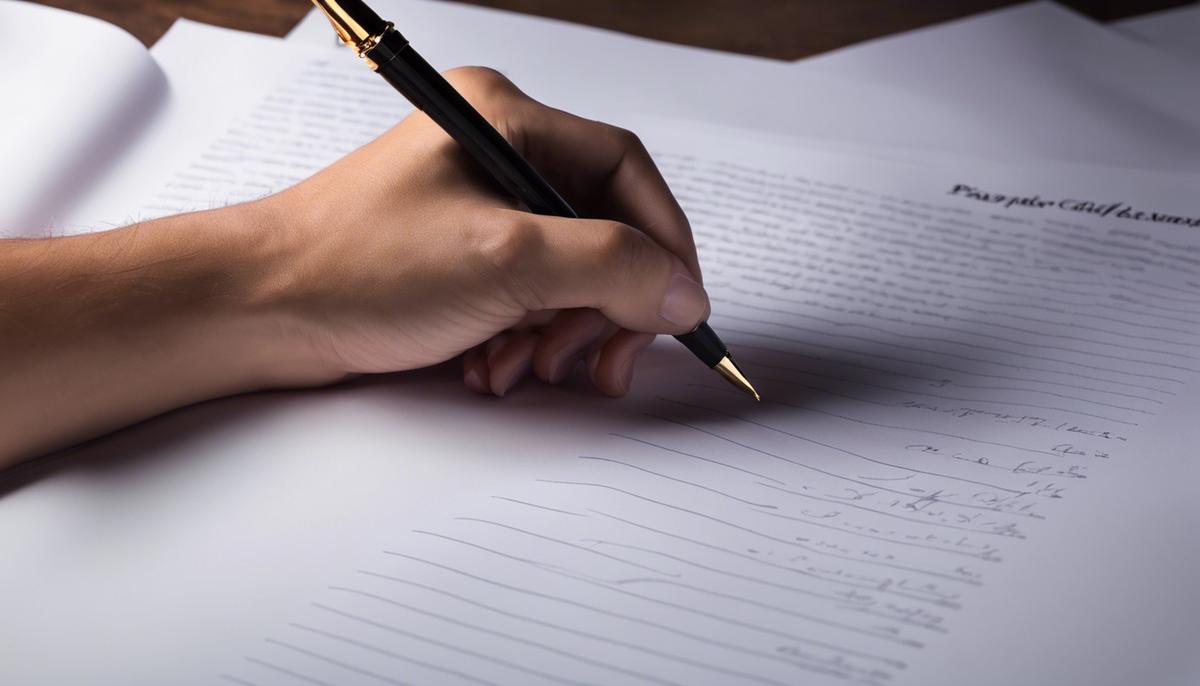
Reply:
x=730 y=371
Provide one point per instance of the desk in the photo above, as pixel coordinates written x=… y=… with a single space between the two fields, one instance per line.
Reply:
x=784 y=29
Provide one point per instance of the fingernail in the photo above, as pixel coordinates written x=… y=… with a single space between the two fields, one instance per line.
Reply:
x=474 y=380
x=686 y=303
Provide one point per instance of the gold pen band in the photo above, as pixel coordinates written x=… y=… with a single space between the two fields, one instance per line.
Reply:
x=351 y=30
x=361 y=49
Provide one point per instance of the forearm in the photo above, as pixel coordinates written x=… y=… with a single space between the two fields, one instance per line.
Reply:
x=100 y=331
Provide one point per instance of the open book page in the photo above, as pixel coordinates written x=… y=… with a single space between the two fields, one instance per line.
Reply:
x=974 y=445
x=1030 y=82
x=76 y=90
x=214 y=75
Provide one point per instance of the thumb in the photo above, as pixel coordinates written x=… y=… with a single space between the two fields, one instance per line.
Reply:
x=567 y=263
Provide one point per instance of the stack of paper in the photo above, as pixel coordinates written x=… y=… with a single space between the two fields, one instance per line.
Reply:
x=977 y=346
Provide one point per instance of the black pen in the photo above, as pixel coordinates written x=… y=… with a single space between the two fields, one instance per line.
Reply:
x=387 y=52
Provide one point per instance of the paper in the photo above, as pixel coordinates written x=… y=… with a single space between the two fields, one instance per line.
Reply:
x=1031 y=82
x=204 y=97
x=946 y=374
x=1173 y=31
x=1037 y=81
x=975 y=445
x=67 y=110
x=960 y=387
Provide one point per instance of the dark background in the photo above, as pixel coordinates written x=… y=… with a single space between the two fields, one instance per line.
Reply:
x=785 y=29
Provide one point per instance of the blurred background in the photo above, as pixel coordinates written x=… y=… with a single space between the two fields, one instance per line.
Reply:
x=783 y=29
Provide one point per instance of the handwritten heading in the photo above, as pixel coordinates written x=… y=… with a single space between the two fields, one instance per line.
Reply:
x=1119 y=210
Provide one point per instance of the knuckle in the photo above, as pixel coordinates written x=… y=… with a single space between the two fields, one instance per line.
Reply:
x=510 y=246
x=617 y=249
x=483 y=82
x=511 y=252
x=626 y=139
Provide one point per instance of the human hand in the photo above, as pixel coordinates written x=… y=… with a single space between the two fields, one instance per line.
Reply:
x=405 y=253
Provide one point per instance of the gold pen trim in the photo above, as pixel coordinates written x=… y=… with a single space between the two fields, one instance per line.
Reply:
x=351 y=32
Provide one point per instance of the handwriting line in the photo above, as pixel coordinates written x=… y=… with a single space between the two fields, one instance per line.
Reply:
x=600 y=610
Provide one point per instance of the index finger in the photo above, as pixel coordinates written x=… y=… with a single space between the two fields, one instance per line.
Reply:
x=609 y=170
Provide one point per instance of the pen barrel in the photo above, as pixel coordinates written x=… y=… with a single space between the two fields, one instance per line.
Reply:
x=425 y=88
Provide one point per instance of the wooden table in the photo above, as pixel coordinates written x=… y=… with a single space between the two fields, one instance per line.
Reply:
x=784 y=29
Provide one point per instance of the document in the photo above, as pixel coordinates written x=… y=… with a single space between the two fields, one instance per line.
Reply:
x=972 y=463
x=953 y=362
x=1031 y=82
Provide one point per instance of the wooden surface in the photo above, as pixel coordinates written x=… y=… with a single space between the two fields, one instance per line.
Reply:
x=785 y=29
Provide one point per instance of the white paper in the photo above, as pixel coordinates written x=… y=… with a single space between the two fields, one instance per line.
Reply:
x=1031 y=82
x=76 y=91
x=1173 y=31
x=865 y=299
x=962 y=402
x=1035 y=81
x=204 y=96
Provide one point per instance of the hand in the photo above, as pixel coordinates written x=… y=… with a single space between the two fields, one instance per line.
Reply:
x=401 y=255
x=405 y=253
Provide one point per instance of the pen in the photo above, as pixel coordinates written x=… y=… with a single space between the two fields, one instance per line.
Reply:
x=387 y=52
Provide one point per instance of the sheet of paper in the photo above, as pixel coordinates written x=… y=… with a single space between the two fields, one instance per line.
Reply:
x=1063 y=85
x=1172 y=31
x=960 y=388
x=76 y=90
x=975 y=445
x=203 y=98
x=1032 y=82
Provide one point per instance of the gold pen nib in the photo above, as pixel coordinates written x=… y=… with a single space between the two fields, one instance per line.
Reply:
x=730 y=371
